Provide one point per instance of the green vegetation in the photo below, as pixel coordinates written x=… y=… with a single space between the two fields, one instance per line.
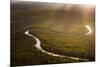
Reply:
x=23 y=52
x=62 y=36
x=67 y=44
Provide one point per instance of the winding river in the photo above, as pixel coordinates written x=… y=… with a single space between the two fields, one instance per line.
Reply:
x=38 y=46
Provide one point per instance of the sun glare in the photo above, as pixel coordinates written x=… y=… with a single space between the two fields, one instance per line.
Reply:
x=89 y=30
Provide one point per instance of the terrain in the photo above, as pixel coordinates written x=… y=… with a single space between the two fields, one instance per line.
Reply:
x=60 y=29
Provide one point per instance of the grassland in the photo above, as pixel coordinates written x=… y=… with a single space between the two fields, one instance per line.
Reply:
x=67 y=44
x=67 y=37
